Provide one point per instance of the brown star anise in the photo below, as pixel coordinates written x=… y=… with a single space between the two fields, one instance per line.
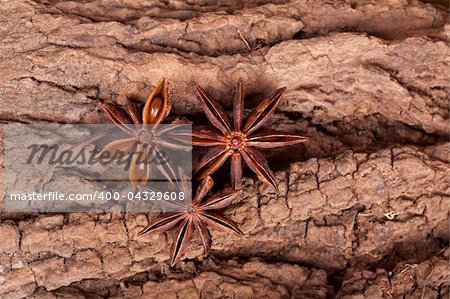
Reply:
x=143 y=139
x=239 y=141
x=199 y=215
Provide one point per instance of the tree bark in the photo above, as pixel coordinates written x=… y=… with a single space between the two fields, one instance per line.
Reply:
x=363 y=208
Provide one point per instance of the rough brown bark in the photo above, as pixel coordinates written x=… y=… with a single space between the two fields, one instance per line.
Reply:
x=363 y=209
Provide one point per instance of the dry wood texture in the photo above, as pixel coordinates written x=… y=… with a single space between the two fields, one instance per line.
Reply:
x=363 y=209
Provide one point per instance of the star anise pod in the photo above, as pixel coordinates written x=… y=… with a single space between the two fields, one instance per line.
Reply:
x=143 y=139
x=240 y=141
x=200 y=215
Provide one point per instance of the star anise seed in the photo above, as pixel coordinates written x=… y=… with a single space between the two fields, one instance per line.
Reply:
x=239 y=141
x=200 y=216
x=142 y=138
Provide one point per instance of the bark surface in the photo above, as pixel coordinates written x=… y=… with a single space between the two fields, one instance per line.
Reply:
x=363 y=208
